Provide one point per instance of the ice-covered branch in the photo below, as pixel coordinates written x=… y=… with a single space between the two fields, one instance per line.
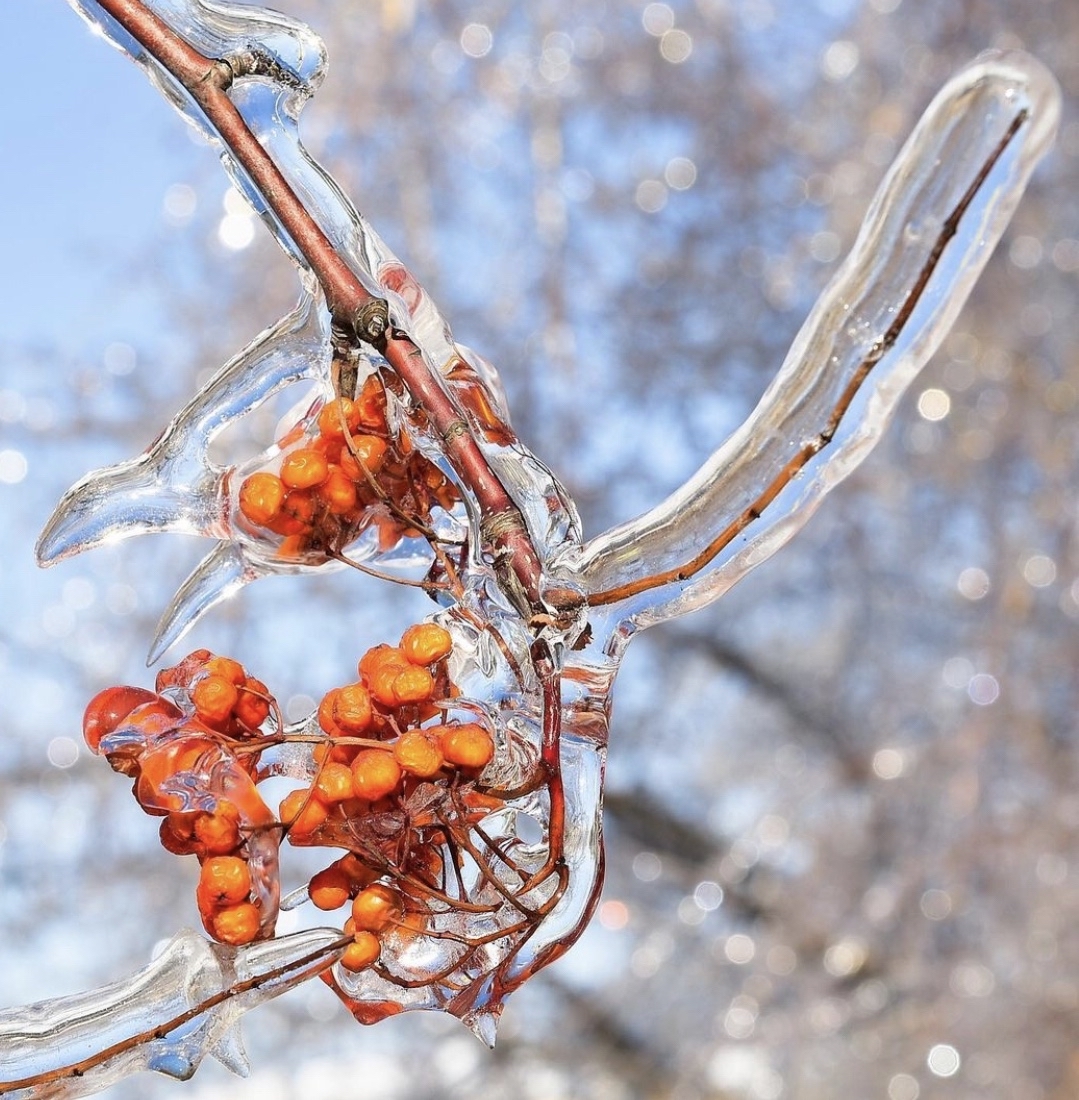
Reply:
x=934 y=222
x=242 y=75
x=167 y=1017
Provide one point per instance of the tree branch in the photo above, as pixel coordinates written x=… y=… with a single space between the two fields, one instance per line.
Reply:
x=355 y=311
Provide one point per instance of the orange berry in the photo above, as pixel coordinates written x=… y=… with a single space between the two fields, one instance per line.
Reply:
x=227 y=669
x=253 y=706
x=375 y=774
x=302 y=812
x=467 y=746
x=362 y=952
x=334 y=783
x=374 y=908
x=335 y=416
x=363 y=455
x=177 y=835
x=224 y=880
x=237 y=925
x=379 y=656
x=352 y=709
x=370 y=404
x=219 y=832
x=339 y=492
x=157 y=767
x=261 y=496
x=359 y=873
x=426 y=643
x=214 y=697
x=418 y=753
x=325 y=713
x=413 y=685
x=298 y=510
x=304 y=469
x=294 y=522
x=330 y=888
x=108 y=709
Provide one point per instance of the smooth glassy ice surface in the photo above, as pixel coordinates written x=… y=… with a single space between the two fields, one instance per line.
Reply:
x=932 y=225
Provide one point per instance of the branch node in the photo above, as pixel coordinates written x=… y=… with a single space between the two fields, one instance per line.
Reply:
x=371 y=323
x=220 y=75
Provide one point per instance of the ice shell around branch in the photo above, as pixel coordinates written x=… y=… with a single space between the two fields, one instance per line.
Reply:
x=932 y=225
x=174 y=486
x=167 y=1017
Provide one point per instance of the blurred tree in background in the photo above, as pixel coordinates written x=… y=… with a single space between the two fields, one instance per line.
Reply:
x=842 y=801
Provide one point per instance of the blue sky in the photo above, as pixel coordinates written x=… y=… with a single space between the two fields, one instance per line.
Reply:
x=88 y=152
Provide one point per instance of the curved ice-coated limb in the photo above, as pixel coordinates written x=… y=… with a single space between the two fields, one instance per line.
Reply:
x=173 y=486
x=167 y=1017
x=930 y=229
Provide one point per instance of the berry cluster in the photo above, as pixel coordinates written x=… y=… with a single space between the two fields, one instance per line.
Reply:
x=390 y=776
x=185 y=747
x=381 y=772
x=357 y=470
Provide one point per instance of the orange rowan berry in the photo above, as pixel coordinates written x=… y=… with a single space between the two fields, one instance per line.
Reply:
x=302 y=812
x=330 y=888
x=359 y=873
x=370 y=404
x=304 y=469
x=261 y=497
x=375 y=774
x=339 y=492
x=219 y=832
x=326 y=719
x=418 y=753
x=352 y=708
x=381 y=684
x=377 y=657
x=467 y=746
x=214 y=697
x=227 y=669
x=374 y=907
x=362 y=952
x=328 y=753
x=337 y=417
x=413 y=685
x=334 y=783
x=297 y=513
x=363 y=455
x=236 y=925
x=177 y=834
x=426 y=643
x=158 y=766
x=224 y=880
x=394 y=681
x=108 y=709
x=253 y=706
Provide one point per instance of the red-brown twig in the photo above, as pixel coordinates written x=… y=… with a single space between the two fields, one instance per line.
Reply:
x=207 y=81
